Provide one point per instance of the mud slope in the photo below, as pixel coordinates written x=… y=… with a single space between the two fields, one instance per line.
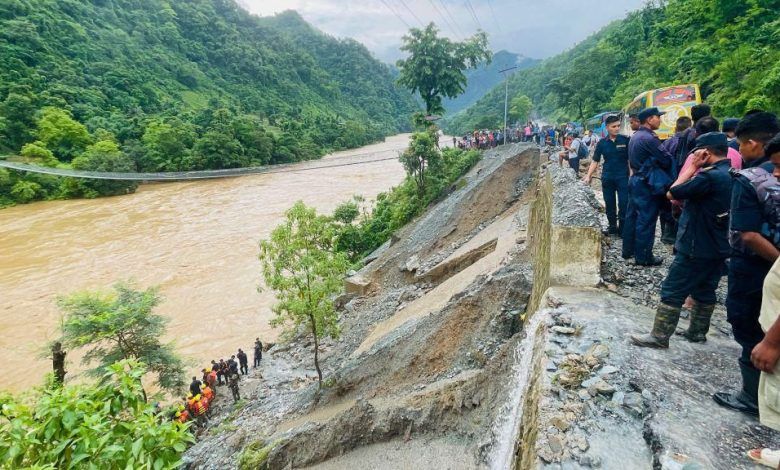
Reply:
x=430 y=334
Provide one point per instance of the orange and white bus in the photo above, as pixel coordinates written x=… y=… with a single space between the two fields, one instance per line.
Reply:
x=675 y=100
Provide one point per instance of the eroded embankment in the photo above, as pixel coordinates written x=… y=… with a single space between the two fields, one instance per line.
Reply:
x=430 y=334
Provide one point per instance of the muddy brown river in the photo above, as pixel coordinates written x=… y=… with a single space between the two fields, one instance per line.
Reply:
x=198 y=241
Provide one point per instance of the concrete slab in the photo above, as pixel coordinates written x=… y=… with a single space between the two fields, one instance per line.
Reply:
x=656 y=409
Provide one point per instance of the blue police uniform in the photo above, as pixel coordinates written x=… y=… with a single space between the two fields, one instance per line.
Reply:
x=644 y=155
x=746 y=273
x=702 y=239
x=614 y=178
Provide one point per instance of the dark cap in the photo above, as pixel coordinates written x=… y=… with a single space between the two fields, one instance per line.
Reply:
x=711 y=139
x=647 y=112
x=730 y=124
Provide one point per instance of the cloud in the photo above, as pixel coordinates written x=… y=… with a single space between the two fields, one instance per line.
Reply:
x=534 y=29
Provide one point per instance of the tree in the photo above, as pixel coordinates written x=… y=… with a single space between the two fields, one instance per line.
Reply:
x=104 y=156
x=520 y=108
x=60 y=133
x=435 y=65
x=421 y=160
x=38 y=153
x=300 y=264
x=17 y=111
x=109 y=426
x=168 y=145
x=121 y=326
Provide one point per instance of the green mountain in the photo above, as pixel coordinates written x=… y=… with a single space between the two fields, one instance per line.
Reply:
x=729 y=48
x=484 y=78
x=180 y=85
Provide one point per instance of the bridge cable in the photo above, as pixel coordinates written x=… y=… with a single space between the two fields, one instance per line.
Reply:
x=184 y=175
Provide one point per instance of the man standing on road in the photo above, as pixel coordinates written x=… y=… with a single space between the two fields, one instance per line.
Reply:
x=650 y=167
x=751 y=235
x=614 y=176
x=702 y=245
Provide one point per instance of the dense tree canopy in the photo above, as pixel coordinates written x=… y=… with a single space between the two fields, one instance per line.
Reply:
x=729 y=48
x=162 y=78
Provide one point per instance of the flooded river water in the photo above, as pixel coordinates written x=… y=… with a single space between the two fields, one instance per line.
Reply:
x=197 y=240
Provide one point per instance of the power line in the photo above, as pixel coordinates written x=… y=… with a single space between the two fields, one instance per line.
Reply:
x=471 y=10
x=412 y=13
x=384 y=2
x=438 y=12
x=447 y=11
x=495 y=18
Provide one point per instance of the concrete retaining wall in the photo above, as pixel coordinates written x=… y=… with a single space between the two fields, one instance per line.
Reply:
x=564 y=233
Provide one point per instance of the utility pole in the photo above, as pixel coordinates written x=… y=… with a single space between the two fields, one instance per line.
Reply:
x=506 y=96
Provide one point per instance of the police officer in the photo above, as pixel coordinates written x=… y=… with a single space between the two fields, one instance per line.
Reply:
x=614 y=176
x=702 y=243
x=648 y=162
x=752 y=255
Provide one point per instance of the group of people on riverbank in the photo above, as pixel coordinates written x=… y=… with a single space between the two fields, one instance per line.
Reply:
x=716 y=193
x=202 y=392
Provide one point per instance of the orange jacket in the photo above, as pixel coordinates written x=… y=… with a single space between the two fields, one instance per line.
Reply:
x=208 y=394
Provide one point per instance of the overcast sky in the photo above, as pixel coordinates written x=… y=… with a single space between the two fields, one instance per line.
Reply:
x=529 y=27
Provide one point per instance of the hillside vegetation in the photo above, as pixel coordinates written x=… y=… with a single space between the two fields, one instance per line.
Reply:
x=729 y=48
x=484 y=78
x=157 y=85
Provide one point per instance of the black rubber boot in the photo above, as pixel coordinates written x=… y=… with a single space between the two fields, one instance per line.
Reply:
x=666 y=318
x=746 y=400
x=669 y=233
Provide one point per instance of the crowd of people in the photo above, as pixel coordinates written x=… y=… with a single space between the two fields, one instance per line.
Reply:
x=196 y=405
x=485 y=138
x=714 y=189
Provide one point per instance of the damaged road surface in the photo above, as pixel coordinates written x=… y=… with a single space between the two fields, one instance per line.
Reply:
x=484 y=337
x=430 y=329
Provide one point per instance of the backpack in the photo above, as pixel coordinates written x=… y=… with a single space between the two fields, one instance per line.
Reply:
x=768 y=190
x=583 y=150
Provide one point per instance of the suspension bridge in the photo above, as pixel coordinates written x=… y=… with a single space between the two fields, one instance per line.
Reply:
x=192 y=175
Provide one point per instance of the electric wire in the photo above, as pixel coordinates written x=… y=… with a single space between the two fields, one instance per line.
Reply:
x=471 y=10
x=412 y=13
x=446 y=21
x=495 y=18
x=452 y=18
x=384 y=2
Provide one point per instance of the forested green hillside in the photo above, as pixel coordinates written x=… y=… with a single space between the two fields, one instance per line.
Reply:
x=161 y=85
x=728 y=47
x=484 y=78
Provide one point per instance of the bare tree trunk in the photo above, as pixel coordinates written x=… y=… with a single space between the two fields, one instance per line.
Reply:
x=316 y=350
x=58 y=362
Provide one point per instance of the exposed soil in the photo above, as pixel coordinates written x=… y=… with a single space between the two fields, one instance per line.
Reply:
x=424 y=360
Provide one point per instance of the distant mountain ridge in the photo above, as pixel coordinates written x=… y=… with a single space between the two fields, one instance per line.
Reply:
x=486 y=77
